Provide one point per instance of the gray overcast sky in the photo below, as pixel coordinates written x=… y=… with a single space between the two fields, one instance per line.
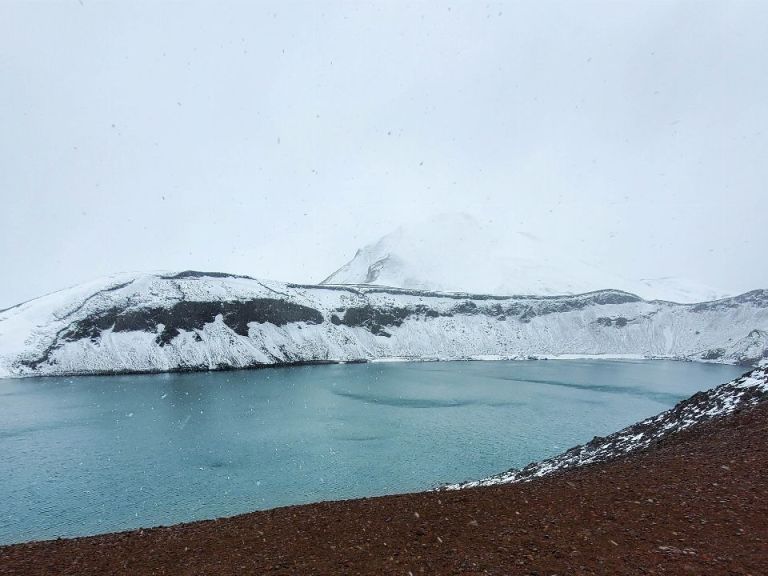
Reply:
x=275 y=139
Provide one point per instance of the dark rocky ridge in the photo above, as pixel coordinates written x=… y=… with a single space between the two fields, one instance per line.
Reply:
x=198 y=274
x=758 y=298
x=189 y=315
x=608 y=296
x=168 y=322
x=377 y=319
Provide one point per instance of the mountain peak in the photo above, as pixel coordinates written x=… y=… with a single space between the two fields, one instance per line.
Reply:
x=457 y=253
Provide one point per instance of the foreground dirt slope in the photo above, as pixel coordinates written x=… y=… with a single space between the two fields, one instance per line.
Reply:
x=695 y=504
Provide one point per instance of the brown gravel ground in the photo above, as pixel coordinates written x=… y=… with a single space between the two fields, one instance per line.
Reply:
x=694 y=504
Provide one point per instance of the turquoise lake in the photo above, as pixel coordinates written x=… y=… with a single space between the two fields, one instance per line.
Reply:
x=86 y=455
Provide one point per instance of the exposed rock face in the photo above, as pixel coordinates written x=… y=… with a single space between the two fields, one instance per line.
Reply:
x=743 y=392
x=189 y=316
x=202 y=320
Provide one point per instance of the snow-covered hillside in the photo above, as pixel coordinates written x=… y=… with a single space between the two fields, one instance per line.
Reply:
x=738 y=394
x=200 y=321
x=453 y=252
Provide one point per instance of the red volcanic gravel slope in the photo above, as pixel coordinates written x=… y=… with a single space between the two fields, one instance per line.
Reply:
x=695 y=503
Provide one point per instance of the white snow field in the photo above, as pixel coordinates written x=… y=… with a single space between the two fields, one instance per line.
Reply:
x=201 y=321
x=454 y=252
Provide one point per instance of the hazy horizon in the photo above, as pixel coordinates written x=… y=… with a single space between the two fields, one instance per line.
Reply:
x=274 y=140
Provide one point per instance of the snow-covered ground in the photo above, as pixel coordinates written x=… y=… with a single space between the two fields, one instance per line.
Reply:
x=745 y=391
x=453 y=252
x=201 y=321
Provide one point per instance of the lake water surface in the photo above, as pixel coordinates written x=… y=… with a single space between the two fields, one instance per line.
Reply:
x=96 y=454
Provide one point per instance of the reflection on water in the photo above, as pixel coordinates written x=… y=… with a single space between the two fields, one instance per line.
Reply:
x=96 y=454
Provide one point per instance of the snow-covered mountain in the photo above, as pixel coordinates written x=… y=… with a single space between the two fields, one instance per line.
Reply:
x=201 y=321
x=738 y=394
x=453 y=252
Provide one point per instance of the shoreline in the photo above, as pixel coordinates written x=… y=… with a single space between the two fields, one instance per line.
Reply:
x=690 y=503
x=383 y=360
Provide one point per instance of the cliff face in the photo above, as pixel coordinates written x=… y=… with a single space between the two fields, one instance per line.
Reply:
x=203 y=321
